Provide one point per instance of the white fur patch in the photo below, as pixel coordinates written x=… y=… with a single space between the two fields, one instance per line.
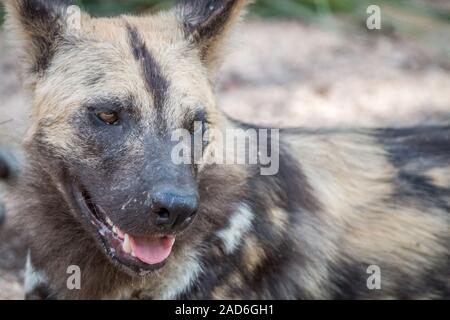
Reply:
x=240 y=223
x=33 y=277
x=182 y=278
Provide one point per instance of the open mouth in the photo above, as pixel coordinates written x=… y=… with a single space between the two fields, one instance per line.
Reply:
x=139 y=254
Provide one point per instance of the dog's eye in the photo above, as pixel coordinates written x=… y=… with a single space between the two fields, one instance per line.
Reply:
x=110 y=118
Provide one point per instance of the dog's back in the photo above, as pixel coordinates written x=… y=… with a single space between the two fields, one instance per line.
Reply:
x=385 y=204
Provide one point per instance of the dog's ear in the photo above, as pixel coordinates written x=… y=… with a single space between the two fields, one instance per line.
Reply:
x=39 y=27
x=208 y=23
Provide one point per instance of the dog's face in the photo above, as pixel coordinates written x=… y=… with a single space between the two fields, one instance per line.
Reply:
x=108 y=94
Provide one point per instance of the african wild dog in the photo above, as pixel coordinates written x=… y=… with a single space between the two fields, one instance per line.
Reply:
x=100 y=190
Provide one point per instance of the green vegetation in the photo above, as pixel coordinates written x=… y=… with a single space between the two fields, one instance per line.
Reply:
x=114 y=7
x=308 y=10
x=1 y=14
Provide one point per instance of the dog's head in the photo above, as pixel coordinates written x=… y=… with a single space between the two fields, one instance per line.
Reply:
x=108 y=94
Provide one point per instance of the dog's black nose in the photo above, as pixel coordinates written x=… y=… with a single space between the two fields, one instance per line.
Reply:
x=173 y=210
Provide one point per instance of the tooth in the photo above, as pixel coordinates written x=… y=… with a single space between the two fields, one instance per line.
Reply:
x=126 y=244
x=115 y=229
x=133 y=254
x=108 y=220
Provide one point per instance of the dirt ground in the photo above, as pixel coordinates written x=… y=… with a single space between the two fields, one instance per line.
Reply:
x=285 y=73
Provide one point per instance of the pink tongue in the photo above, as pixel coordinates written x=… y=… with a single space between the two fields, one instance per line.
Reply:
x=151 y=250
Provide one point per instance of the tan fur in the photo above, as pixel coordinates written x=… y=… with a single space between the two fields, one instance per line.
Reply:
x=279 y=218
x=254 y=254
x=440 y=177
x=353 y=181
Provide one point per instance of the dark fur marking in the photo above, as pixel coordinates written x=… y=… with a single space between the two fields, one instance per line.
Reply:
x=416 y=186
x=414 y=151
x=349 y=281
x=5 y=171
x=437 y=278
x=156 y=83
x=41 y=292
x=434 y=278
x=2 y=213
x=421 y=147
x=8 y=171
x=9 y=167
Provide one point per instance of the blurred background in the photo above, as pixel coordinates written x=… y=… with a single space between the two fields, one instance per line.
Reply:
x=296 y=63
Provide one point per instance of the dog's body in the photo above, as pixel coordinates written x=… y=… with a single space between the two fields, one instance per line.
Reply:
x=345 y=208
x=342 y=202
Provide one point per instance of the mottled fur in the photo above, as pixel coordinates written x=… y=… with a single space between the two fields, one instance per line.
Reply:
x=341 y=202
